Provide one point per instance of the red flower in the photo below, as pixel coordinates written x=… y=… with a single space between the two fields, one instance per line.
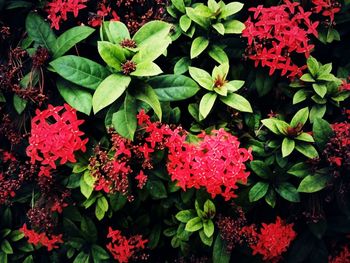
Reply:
x=342 y=257
x=142 y=179
x=55 y=136
x=122 y=248
x=216 y=163
x=41 y=238
x=327 y=8
x=273 y=240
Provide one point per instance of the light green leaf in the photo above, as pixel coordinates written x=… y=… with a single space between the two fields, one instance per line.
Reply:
x=194 y=224
x=185 y=23
x=180 y=5
x=109 y=91
x=234 y=85
x=112 y=54
x=102 y=203
x=233 y=27
x=320 y=89
x=219 y=27
x=147 y=94
x=218 y=54
x=182 y=65
x=208 y=228
x=307 y=78
x=199 y=44
x=317 y=111
x=151 y=52
x=206 y=240
x=237 y=102
x=206 y=104
x=306 y=149
x=202 y=77
x=231 y=9
x=300 y=117
x=313 y=65
x=185 y=215
x=79 y=70
x=124 y=121
x=70 y=38
x=77 y=97
x=287 y=147
x=146 y=69
x=305 y=137
x=200 y=20
x=151 y=33
x=118 y=31
x=85 y=189
x=300 y=96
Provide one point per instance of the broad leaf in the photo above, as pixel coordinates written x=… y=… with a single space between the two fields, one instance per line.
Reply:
x=202 y=77
x=237 y=102
x=81 y=71
x=258 y=191
x=118 y=31
x=306 y=149
x=147 y=94
x=233 y=27
x=231 y=9
x=261 y=169
x=313 y=183
x=199 y=44
x=194 y=224
x=173 y=87
x=299 y=170
x=287 y=147
x=70 y=38
x=300 y=117
x=146 y=69
x=109 y=91
x=206 y=104
x=186 y=215
x=112 y=54
x=288 y=192
x=220 y=253
x=19 y=104
x=322 y=132
x=151 y=33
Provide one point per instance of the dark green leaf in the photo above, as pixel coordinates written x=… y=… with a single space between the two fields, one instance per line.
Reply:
x=313 y=183
x=261 y=169
x=156 y=189
x=299 y=170
x=306 y=149
x=288 y=192
x=322 y=132
x=19 y=104
x=220 y=254
x=98 y=253
x=258 y=191
x=147 y=94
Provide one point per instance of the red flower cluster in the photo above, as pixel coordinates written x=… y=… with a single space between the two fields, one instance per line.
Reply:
x=273 y=240
x=216 y=163
x=55 y=135
x=337 y=149
x=41 y=238
x=342 y=257
x=59 y=9
x=103 y=10
x=277 y=33
x=327 y=8
x=122 y=248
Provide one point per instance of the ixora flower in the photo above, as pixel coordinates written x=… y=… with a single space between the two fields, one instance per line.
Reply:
x=273 y=240
x=55 y=135
x=216 y=163
x=124 y=249
x=41 y=238
x=277 y=33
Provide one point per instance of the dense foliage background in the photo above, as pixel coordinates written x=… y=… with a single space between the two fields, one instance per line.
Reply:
x=174 y=131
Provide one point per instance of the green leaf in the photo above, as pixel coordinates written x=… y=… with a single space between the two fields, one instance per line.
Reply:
x=205 y=239
x=287 y=147
x=307 y=150
x=202 y=77
x=307 y=78
x=206 y=104
x=313 y=65
x=82 y=258
x=147 y=94
x=81 y=71
x=209 y=208
x=117 y=201
x=19 y=104
x=185 y=215
x=180 y=5
x=28 y=259
x=271 y=124
x=198 y=19
x=234 y=85
x=146 y=69
x=322 y=132
x=261 y=169
x=317 y=111
x=16 y=235
x=109 y=91
x=6 y=247
x=230 y=9
x=300 y=96
x=220 y=253
x=208 y=228
x=70 y=38
x=112 y=54
x=320 y=89
x=313 y=183
x=3 y=255
x=194 y=224
x=270 y=197
x=185 y=23
x=237 y=102
x=149 y=53
x=173 y=87
x=233 y=27
x=40 y=31
x=199 y=44
x=154 y=237
x=98 y=253
x=258 y=191
x=288 y=192
x=77 y=97
x=300 y=117
x=219 y=27
x=299 y=170
x=85 y=189
x=151 y=33
x=182 y=65
x=118 y=31
x=2 y=97
x=156 y=189
x=103 y=203
x=124 y=121
x=305 y=137
x=218 y=54
x=99 y=213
